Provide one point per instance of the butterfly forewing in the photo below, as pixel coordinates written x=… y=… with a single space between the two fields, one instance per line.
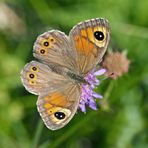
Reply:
x=90 y=46
x=39 y=78
x=53 y=47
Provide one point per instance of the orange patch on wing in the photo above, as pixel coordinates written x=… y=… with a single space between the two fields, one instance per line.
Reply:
x=83 y=45
x=47 y=98
x=54 y=102
x=56 y=99
x=47 y=105
x=83 y=33
x=87 y=33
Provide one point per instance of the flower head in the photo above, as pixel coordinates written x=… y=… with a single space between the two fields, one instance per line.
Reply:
x=88 y=95
x=116 y=64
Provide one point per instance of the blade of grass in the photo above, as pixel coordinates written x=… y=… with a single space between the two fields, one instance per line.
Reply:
x=37 y=134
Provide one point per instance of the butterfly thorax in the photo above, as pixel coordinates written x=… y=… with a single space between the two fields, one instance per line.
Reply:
x=76 y=77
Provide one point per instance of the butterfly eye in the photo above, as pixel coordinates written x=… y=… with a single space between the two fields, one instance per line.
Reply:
x=59 y=115
x=99 y=35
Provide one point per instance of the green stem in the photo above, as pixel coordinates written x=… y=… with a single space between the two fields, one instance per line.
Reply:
x=104 y=102
x=37 y=134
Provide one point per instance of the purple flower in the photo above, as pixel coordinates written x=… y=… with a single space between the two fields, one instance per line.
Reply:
x=88 y=95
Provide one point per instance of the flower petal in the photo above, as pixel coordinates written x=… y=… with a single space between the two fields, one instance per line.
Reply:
x=100 y=72
x=92 y=104
x=88 y=95
x=98 y=96
x=82 y=107
x=92 y=86
x=97 y=82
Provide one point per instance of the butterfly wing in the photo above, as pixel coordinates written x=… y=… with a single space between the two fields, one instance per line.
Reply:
x=89 y=39
x=58 y=96
x=58 y=107
x=53 y=47
x=39 y=78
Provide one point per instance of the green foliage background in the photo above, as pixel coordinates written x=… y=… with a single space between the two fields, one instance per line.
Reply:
x=121 y=121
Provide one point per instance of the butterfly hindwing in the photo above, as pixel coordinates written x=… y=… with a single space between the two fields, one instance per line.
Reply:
x=59 y=106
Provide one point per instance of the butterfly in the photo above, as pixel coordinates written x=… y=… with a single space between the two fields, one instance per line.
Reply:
x=62 y=63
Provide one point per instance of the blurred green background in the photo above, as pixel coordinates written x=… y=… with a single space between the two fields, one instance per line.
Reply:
x=123 y=124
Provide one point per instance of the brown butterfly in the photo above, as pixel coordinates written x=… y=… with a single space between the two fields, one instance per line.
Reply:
x=63 y=62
